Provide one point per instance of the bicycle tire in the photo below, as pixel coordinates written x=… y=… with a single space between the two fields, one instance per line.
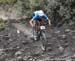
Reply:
x=44 y=39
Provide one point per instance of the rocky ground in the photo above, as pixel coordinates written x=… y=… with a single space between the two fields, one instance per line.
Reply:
x=17 y=46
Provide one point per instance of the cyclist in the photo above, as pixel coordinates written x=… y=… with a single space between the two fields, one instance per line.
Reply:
x=38 y=16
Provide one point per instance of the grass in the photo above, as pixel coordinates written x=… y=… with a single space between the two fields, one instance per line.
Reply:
x=2 y=24
x=7 y=1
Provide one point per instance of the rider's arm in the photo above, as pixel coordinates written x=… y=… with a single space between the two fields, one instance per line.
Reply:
x=49 y=21
x=32 y=23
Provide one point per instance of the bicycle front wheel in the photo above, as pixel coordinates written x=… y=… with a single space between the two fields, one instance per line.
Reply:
x=44 y=39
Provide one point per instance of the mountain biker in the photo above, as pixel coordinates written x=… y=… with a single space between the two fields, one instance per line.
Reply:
x=38 y=16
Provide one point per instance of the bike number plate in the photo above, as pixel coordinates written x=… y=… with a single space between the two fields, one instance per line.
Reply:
x=42 y=27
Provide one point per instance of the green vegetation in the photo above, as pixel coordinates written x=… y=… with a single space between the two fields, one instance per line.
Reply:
x=7 y=1
x=59 y=11
x=37 y=1
x=2 y=24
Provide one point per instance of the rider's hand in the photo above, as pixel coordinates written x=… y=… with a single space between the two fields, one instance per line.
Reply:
x=49 y=24
x=32 y=26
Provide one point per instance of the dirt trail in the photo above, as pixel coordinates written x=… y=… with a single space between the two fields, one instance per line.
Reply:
x=57 y=36
x=21 y=27
x=18 y=47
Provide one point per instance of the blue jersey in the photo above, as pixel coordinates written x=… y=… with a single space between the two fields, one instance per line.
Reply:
x=36 y=17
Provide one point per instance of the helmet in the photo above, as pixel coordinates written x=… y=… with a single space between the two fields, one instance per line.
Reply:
x=40 y=13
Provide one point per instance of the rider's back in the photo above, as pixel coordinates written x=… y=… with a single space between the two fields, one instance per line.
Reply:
x=36 y=15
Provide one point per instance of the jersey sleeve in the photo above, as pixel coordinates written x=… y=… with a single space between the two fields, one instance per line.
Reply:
x=45 y=17
x=34 y=18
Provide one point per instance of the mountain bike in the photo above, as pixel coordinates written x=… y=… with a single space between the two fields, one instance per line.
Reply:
x=39 y=33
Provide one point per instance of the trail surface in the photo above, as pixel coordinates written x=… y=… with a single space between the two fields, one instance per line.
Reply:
x=18 y=47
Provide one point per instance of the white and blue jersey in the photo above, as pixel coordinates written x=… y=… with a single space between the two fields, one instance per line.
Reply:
x=39 y=13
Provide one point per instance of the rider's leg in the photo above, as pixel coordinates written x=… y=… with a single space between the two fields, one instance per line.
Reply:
x=35 y=34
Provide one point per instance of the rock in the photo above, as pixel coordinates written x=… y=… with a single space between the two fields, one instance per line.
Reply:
x=57 y=32
x=49 y=44
x=10 y=40
x=66 y=45
x=25 y=43
x=28 y=58
x=18 y=53
x=17 y=47
x=73 y=37
x=62 y=36
x=73 y=57
x=31 y=59
x=6 y=37
x=20 y=58
x=49 y=49
x=25 y=58
x=1 y=51
x=68 y=59
x=18 y=31
x=61 y=49
x=11 y=60
x=67 y=30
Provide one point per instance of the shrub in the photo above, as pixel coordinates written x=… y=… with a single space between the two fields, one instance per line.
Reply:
x=2 y=24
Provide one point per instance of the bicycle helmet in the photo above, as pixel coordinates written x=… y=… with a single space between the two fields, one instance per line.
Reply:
x=40 y=13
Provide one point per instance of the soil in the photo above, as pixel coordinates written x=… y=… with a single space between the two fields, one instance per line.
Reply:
x=16 y=44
